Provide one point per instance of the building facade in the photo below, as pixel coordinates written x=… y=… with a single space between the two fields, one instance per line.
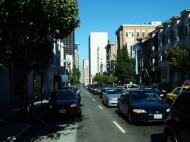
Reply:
x=97 y=52
x=76 y=56
x=85 y=72
x=69 y=43
x=173 y=33
x=111 y=54
x=129 y=34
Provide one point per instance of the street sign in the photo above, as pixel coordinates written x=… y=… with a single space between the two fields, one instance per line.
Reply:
x=64 y=78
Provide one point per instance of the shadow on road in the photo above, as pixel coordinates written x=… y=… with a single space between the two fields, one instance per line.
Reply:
x=52 y=129
x=157 y=137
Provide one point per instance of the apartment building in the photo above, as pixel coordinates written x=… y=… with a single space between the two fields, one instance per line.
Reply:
x=129 y=34
x=173 y=33
x=97 y=52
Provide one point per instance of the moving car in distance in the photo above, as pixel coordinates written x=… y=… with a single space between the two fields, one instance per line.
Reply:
x=65 y=102
x=177 y=126
x=143 y=106
x=110 y=96
x=131 y=86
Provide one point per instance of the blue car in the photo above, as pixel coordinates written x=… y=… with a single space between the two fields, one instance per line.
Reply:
x=65 y=103
x=143 y=106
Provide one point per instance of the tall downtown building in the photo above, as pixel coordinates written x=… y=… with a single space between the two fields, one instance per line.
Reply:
x=85 y=72
x=97 y=53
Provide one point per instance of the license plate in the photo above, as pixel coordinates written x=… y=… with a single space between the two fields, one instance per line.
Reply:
x=62 y=111
x=157 y=116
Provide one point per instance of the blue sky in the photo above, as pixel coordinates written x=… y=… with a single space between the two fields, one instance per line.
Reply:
x=108 y=15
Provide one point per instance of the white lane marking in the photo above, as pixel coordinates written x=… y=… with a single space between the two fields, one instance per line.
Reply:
x=100 y=107
x=90 y=96
x=93 y=99
x=119 y=127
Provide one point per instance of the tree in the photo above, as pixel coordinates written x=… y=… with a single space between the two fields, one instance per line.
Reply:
x=27 y=29
x=103 y=78
x=179 y=58
x=124 y=69
x=75 y=75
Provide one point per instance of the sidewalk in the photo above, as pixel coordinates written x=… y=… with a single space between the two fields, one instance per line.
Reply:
x=10 y=127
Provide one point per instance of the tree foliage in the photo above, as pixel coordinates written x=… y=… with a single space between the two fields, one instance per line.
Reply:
x=179 y=58
x=75 y=76
x=124 y=69
x=103 y=78
x=27 y=30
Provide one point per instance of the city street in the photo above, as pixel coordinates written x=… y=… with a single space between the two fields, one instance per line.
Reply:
x=97 y=124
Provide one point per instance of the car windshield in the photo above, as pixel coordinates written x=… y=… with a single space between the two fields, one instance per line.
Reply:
x=133 y=86
x=145 y=96
x=114 y=91
x=66 y=94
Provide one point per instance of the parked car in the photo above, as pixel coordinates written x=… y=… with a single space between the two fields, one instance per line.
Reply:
x=76 y=90
x=143 y=106
x=170 y=97
x=65 y=102
x=177 y=126
x=110 y=96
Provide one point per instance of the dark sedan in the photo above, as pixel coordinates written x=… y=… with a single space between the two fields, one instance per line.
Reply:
x=177 y=126
x=65 y=102
x=143 y=106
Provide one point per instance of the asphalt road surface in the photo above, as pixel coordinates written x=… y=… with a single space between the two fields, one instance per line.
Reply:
x=97 y=124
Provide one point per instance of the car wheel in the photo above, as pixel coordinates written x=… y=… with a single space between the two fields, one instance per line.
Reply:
x=130 y=120
x=170 y=138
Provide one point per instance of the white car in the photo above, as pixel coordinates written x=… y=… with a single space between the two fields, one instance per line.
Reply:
x=131 y=86
x=110 y=96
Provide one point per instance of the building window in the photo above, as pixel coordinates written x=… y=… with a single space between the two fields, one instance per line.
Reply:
x=180 y=31
x=137 y=34
x=163 y=39
x=126 y=34
x=143 y=34
x=164 y=73
x=171 y=36
x=132 y=34
x=186 y=30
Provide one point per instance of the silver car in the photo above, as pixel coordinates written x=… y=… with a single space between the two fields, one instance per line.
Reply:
x=110 y=96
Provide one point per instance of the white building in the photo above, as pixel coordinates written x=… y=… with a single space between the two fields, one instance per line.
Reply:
x=69 y=61
x=76 y=56
x=97 y=53
x=77 y=59
x=85 y=72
